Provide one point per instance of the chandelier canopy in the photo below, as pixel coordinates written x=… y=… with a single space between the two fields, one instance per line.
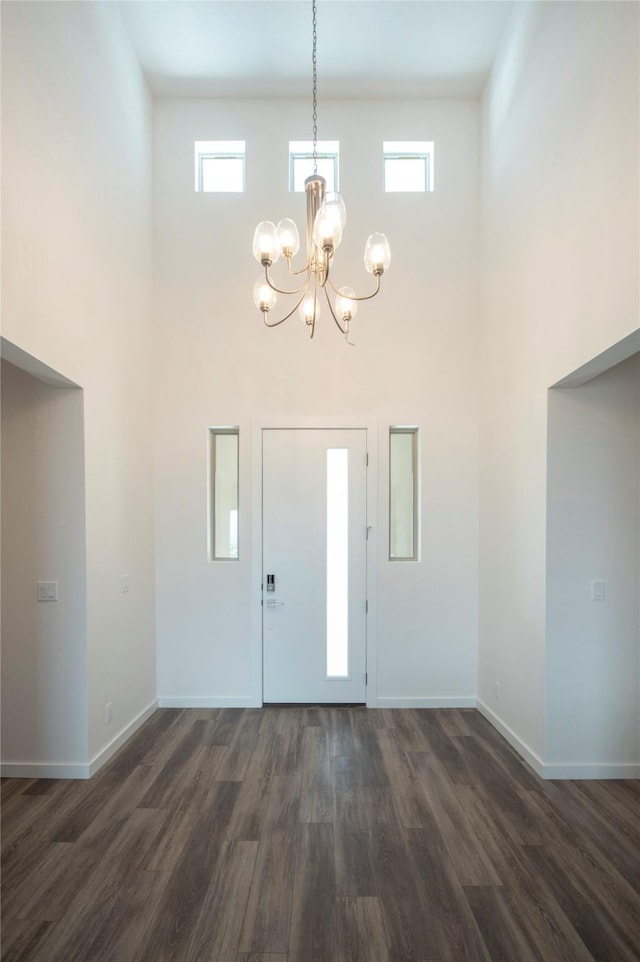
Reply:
x=326 y=219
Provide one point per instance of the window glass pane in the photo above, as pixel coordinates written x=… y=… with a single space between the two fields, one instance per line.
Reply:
x=405 y=174
x=301 y=163
x=338 y=562
x=222 y=174
x=303 y=168
x=402 y=494
x=408 y=165
x=219 y=165
x=224 y=472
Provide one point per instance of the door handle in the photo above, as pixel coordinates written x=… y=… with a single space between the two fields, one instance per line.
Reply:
x=274 y=604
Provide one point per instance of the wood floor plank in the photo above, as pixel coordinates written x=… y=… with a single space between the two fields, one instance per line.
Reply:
x=363 y=766
x=289 y=760
x=250 y=812
x=361 y=935
x=184 y=894
x=109 y=926
x=268 y=914
x=180 y=817
x=316 y=795
x=471 y=862
x=272 y=721
x=614 y=793
x=408 y=796
x=525 y=894
x=169 y=778
x=593 y=863
x=590 y=909
x=23 y=816
x=456 y=721
x=504 y=793
x=402 y=896
x=454 y=932
x=216 y=934
x=54 y=891
x=262 y=957
x=313 y=934
x=152 y=744
x=14 y=786
x=337 y=722
x=500 y=928
x=410 y=731
x=444 y=747
x=601 y=829
x=355 y=875
x=43 y=864
x=20 y=939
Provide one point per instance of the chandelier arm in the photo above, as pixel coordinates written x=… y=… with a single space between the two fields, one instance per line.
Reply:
x=287 y=316
x=303 y=270
x=365 y=297
x=278 y=290
x=342 y=329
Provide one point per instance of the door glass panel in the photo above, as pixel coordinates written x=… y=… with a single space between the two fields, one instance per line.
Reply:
x=337 y=562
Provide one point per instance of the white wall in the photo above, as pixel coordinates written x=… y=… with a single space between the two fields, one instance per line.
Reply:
x=415 y=363
x=560 y=162
x=76 y=265
x=44 y=664
x=593 y=534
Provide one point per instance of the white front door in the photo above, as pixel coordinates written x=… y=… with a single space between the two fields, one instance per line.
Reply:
x=314 y=521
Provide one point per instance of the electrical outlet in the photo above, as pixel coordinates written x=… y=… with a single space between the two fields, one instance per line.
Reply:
x=497 y=690
x=108 y=712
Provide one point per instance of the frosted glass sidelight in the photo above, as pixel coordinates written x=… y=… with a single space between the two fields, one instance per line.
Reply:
x=224 y=474
x=402 y=494
x=337 y=562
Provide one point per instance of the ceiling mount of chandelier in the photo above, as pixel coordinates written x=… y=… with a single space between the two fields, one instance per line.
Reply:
x=326 y=219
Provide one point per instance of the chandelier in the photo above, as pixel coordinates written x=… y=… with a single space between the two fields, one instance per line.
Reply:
x=326 y=219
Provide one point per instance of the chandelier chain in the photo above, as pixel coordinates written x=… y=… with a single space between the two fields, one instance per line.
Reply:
x=315 y=89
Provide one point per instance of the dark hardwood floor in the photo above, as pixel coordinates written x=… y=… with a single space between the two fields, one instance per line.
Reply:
x=319 y=835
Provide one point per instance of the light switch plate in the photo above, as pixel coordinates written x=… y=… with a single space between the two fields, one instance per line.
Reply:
x=47 y=591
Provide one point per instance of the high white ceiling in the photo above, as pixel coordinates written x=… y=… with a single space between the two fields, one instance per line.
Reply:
x=366 y=48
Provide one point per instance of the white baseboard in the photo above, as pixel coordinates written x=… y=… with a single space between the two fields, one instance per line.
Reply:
x=105 y=753
x=71 y=769
x=400 y=701
x=44 y=770
x=522 y=749
x=590 y=771
x=215 y=701
x=555 y=771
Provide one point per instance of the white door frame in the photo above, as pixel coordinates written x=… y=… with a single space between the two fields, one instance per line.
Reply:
x=257 y=427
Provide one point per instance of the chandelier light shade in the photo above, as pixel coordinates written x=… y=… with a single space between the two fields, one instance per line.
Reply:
x=326 y=221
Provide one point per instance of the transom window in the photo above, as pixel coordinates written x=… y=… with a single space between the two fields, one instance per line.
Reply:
x=301 y=163
x=219 y=166
x=408 y=166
